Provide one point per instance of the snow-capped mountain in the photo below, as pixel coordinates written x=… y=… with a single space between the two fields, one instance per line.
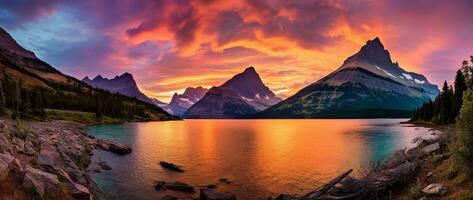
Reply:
x=181 y=102
x=245 y=93
x=368 y=84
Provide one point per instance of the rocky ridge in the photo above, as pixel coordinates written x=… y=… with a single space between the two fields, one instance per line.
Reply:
x=48 y=160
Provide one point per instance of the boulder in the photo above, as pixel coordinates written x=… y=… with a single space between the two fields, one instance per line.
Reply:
x=79 y=192
x=177 y=186
x=114 y=147
x=50 y=157
x=431 y=148
x=6 y=161
x=435 y=189
x=5 y=144
x=19 y=144
x=42 y=182
x=29 y=149
x=208 y=194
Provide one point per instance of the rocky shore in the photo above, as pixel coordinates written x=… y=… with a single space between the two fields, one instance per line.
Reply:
x=49 y=160
x=390 y=179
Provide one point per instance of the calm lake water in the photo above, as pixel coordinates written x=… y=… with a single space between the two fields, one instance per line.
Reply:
x=261 y=158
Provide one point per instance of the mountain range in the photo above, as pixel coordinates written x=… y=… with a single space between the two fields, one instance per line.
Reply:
x=42 y=87
x=181 y=102
x=124 y=84
x=368 y=84
x=245 y=93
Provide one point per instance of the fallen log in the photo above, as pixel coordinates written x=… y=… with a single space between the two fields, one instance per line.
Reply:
x=325 y=188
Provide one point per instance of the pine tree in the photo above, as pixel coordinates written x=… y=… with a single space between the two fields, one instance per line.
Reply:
x=460 y=87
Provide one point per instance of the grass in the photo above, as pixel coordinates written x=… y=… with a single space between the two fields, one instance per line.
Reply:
x=78 y=116
x=414 y=192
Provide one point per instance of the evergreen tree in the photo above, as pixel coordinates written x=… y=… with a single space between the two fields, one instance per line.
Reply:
x=460 y=87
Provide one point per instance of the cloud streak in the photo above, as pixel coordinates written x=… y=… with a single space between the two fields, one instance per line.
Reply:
x=170 y=45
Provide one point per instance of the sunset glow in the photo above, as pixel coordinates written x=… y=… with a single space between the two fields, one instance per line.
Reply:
x=171 y=45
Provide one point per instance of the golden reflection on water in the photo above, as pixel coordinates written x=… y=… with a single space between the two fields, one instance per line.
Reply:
x=260 y=157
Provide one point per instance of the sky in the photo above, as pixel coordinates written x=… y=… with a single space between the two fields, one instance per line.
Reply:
x=169 y=45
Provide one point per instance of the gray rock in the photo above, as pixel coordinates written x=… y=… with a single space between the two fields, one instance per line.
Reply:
x=19 y=144
x=431 y=148
x=435 y=189
x=49 y=157
x=208 y=194
x=5 y=144
x=430 y=174
x=177 y=186
x=29 y=149
x=79 y=192
x=6 y=161
x=114 y=147
x=42 y=182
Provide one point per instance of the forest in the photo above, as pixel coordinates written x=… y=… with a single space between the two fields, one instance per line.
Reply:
x=19 y=99
x=446 y=107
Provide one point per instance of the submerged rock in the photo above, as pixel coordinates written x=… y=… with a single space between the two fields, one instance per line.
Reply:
x=208 y=194
x=177 y=186
x=114 y=147
x=171 y=166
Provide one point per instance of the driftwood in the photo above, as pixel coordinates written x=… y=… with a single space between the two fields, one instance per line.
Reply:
x=325 y=188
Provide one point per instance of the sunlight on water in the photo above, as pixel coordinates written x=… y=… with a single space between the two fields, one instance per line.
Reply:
x=261 y=158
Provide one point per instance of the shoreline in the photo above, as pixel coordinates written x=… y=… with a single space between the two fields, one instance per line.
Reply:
x=68 y=164
x=388 y=179
x=50 y=160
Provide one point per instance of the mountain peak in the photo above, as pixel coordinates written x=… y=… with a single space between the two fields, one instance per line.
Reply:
x=98 y=77
x=12 y=47
x=372 y=52
x=250 y=69
x=126 y=75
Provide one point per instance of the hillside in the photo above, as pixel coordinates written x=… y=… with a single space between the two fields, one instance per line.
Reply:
x=28 y=86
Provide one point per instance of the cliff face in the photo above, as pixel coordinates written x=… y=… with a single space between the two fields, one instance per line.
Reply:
x=46 y=160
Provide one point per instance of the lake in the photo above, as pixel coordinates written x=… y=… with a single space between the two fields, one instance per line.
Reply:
x=261 y=158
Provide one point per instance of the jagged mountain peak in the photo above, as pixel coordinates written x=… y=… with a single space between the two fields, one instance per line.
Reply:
x=98 y=78
x=126 y=75
x=248 y=84
x=372 y=52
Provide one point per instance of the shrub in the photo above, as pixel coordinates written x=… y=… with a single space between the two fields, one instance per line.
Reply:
x=462 y=148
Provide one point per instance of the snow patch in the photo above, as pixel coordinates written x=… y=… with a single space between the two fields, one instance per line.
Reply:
x=186 y=100
x=266 y=97
x=419 y=81
x=408 y=76
x=246 y=99
x=389 y=74
x=257 y=96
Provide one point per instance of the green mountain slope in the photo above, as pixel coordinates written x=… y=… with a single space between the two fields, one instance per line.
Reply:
x=28 y=86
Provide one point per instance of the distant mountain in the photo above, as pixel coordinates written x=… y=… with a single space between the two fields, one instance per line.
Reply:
x=368 y=84
x=124 y=84
x=243 y=94
x=181 y=102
